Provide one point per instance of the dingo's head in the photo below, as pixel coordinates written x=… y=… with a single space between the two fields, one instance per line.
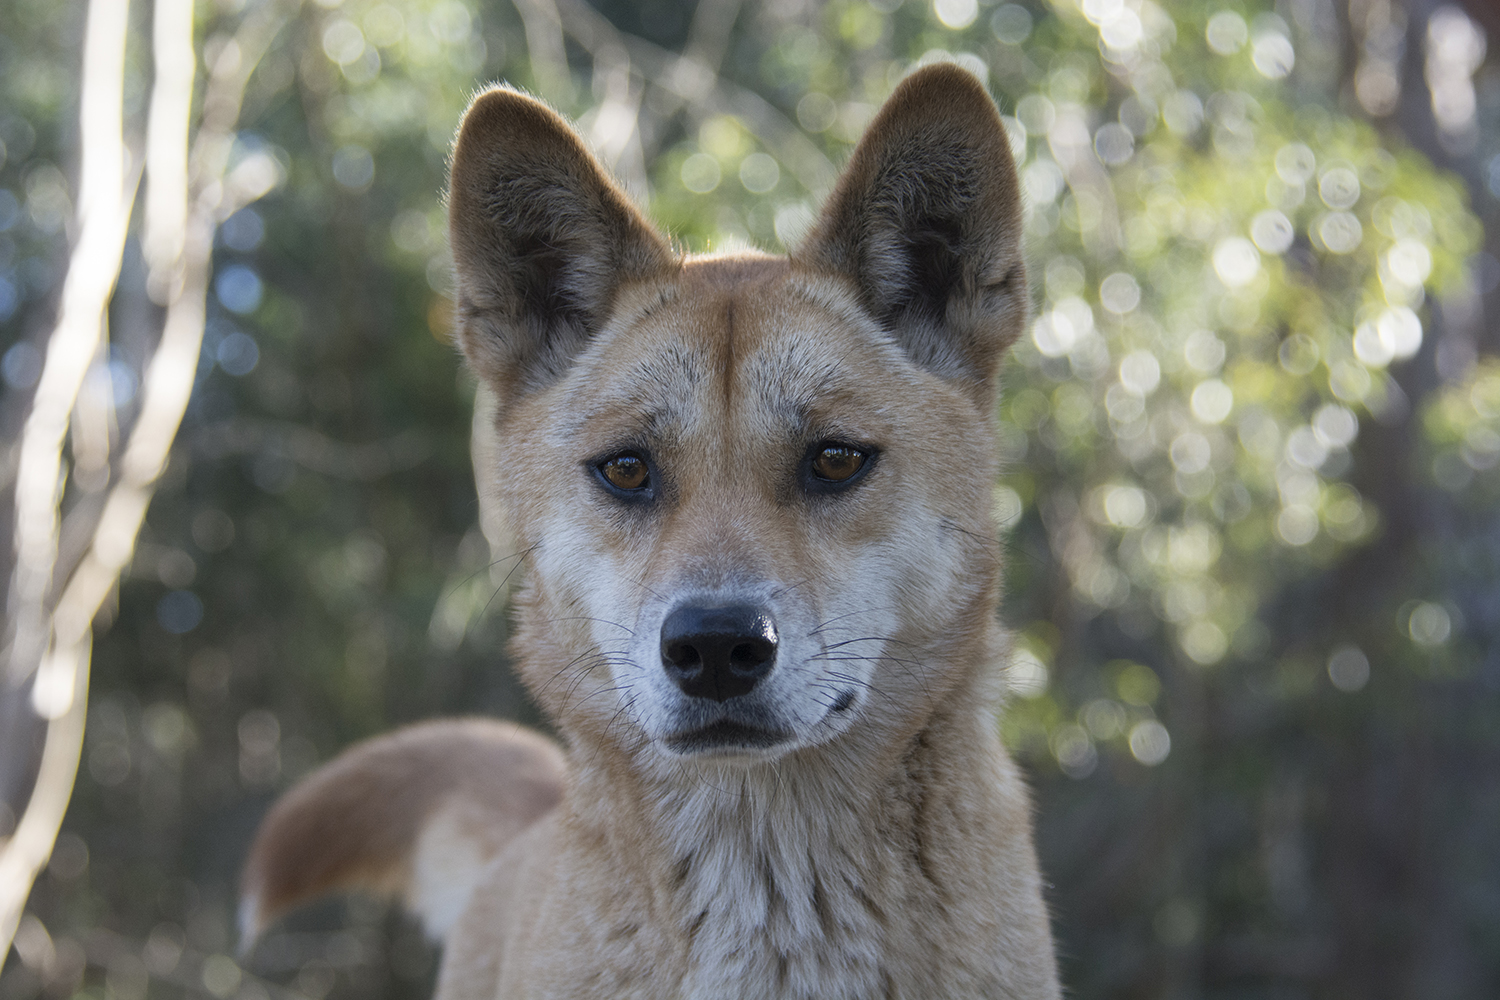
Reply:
x=754 y=492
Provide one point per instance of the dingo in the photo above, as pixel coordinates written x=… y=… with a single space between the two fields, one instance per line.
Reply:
x=761 y=576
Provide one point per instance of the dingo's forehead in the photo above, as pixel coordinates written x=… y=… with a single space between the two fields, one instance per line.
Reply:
x=746 y=344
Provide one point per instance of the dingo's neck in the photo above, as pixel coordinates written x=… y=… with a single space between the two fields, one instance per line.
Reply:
x=803 y=876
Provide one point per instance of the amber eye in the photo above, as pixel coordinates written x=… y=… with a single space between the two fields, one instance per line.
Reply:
x=837 y=463
x=626 y=472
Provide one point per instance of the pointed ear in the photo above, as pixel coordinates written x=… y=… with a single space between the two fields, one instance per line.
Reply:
x=926 y=220
x=542 y=240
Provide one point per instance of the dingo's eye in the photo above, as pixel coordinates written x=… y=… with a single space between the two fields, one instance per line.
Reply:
x=626 y=472
x=838 y=463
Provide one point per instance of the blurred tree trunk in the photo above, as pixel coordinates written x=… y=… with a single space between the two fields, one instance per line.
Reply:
x=191 y=189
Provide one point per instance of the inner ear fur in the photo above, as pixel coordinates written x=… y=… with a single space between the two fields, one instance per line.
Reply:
x=542 y=240
x=926 y=221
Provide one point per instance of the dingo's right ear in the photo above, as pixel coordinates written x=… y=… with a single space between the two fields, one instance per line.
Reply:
x=541 y=238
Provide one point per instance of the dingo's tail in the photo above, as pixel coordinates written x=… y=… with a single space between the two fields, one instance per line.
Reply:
x=417 y=813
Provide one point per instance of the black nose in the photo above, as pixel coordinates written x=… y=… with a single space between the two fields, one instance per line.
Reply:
x=717 y=653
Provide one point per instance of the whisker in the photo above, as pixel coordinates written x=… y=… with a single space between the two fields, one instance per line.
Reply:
x=913 y=668
x=788 y=588
x=869 y=638
x=518 y=554
x=985 y=540
x=562 y=670
x=866 y=611
x=606 y=690
x=594 y=656
x=866 y=685
x=642 y=584
x=586 y=618
x=501 y=588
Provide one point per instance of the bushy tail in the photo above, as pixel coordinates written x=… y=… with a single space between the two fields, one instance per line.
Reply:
x=417 y=814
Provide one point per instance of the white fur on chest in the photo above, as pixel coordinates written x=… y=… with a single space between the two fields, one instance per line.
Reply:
x=776 y=888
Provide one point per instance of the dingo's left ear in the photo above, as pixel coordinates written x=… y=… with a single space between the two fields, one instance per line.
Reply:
x=926 y=220
x=542 y=239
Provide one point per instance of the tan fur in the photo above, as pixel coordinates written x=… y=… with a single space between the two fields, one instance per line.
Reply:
x=879 y=845
x=360 y=820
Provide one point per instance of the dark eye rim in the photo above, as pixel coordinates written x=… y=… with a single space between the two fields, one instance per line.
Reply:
x=816 y=484
x=639 y=494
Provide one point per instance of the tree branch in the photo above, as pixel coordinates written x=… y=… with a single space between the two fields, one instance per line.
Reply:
x=189 y=195
x=703 y=87
x=104 y=214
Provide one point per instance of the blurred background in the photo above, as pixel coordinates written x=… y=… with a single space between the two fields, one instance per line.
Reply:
x=1251 y=442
